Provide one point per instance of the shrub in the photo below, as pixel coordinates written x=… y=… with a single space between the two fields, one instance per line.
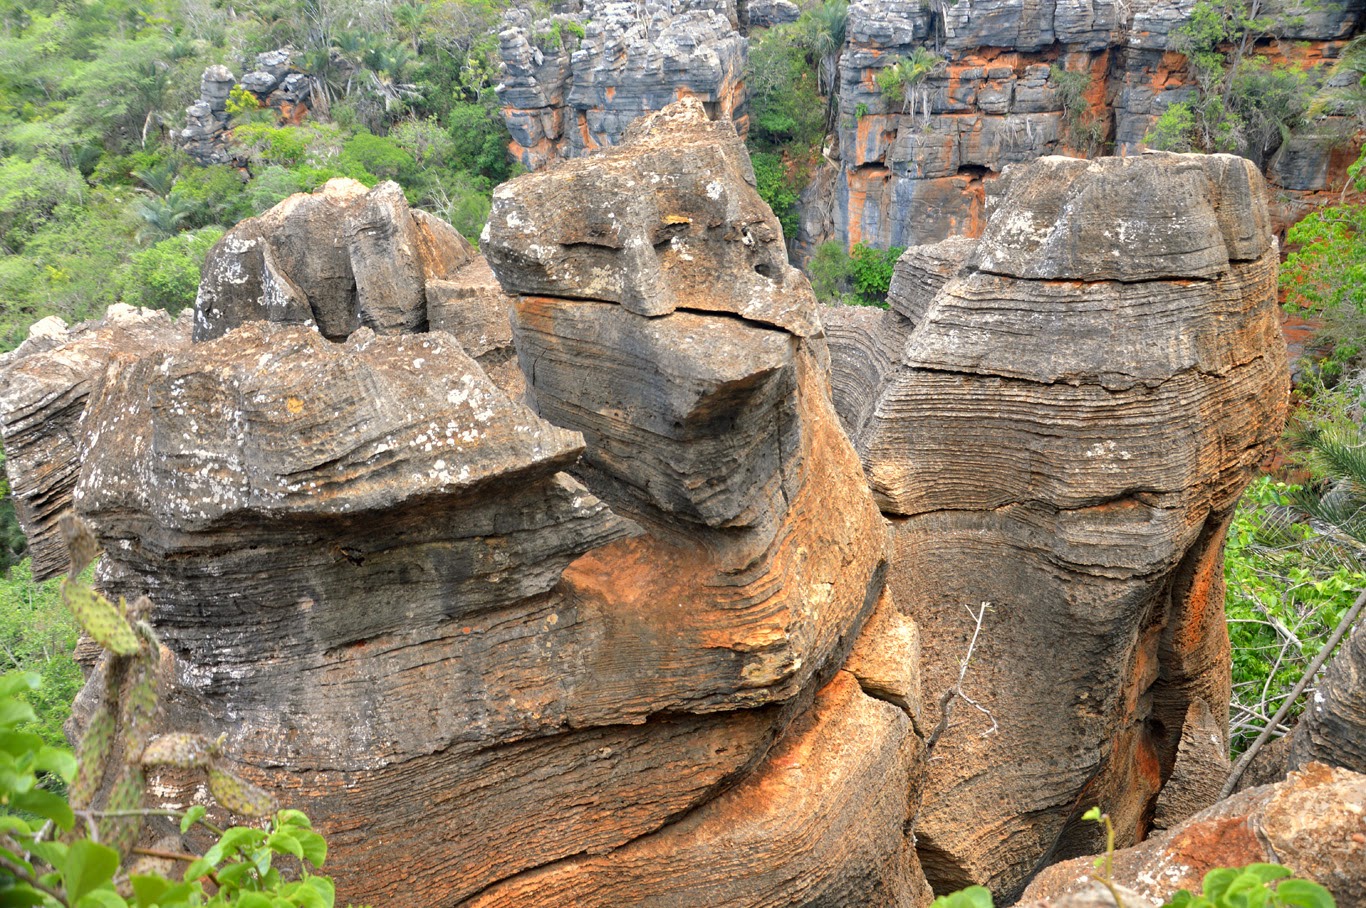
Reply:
x=166 y=275
x=871 y=272
x=379 y=156
x=778 y=190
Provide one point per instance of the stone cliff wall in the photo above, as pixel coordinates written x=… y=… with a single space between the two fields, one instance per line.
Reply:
x=564 y=95
x=912 y=171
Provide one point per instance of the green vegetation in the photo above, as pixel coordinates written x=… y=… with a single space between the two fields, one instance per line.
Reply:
x=93 y=799
x=1083 y=129
x=1242 y=104
x=92 y=188
x=897 y=81
x=860 y=277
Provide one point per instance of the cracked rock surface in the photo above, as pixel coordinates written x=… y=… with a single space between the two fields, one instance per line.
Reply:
x=1059 y=423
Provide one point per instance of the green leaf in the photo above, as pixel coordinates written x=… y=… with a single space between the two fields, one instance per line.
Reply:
x=253 y=900
x=1217 y=881
x=89 y=866
x=197 y=870
x=57 y=761
x=314 y=847
x=101 y=898
x=1092 y=814
x=46 y=805
x=192 y=816
x=21 y=896
x=283 y=842
x=1265 y=873
x=12 y=683
x=293 y=818
x=232 y=874
x=1304 y=894
x=147 y=890
x=15 y=712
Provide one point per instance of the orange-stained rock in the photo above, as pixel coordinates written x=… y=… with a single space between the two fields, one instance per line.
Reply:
x=1314 y=823
x=815 y=824
x=485 y=641
x=1059 y=420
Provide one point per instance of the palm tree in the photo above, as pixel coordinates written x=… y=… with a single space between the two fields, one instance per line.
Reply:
x=164 y=217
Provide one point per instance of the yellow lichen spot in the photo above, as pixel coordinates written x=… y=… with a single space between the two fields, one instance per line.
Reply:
x=294 y=406
x=677 y=219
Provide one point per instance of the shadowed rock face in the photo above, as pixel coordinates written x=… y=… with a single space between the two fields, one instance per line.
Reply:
x=1059 y=421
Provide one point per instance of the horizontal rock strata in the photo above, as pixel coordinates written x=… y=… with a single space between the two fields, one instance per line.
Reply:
x=1061 y=421
x=45 y=386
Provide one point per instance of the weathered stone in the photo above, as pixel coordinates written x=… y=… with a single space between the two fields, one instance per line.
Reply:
x=564 y=96
x=1313 y=823
x=1333 y=727
x=1201 y=767
x=1090 y=895
x=472 y=307
x=45 y=386
x=816 y=824
x=910 y=167
x=1068 y=447
x=340 y=258
x=403 y=594
x=651 y=228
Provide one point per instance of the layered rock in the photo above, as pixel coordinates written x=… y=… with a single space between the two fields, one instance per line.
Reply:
x=910 y=168
x=340 y=258
x=1333 y=727
x=45 y=387
x=576 y=82
x=276 y=83
x=1312 y=823
x=504 y=655
x=1060 y=419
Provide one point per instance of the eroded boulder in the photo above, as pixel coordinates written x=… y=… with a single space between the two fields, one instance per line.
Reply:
x=1060 y=426
x=339 y=258
x=1313 y=823
x=45 y=387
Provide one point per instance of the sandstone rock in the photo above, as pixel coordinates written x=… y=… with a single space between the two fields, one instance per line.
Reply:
x=911 y=168
x=492 y=656
x=472 y=307
x=1046 y=449
x=1313 y=823
x=340 y=258
x=1333 y=727
x=45 y=386
x=1201 y=767
x=563 y=100
x=1092 y=895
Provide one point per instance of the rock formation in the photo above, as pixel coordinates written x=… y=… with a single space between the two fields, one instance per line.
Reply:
x=45 y=387
x=1059 y=420
x=507 y=655
x=339 y=258
x=1312 y=823
x=619 y=619
x=564 y=95
x=276 y=83
x=1333 y=727
x=911 y=168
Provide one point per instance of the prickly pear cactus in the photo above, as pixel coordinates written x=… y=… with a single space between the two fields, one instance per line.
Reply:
x=118 y=741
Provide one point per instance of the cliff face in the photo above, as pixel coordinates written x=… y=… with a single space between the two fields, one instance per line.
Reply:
x=564 y=95
x=912 y=171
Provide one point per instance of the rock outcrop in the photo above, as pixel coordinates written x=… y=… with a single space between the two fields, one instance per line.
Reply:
x=1313 y=823
x=911 y=167
x=1059 y=419
x=276 y=83
x=566 y=652
x=663 y=607
x=1333 y=727
x=340 y=258
x=45 y=388
x=576 y=82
